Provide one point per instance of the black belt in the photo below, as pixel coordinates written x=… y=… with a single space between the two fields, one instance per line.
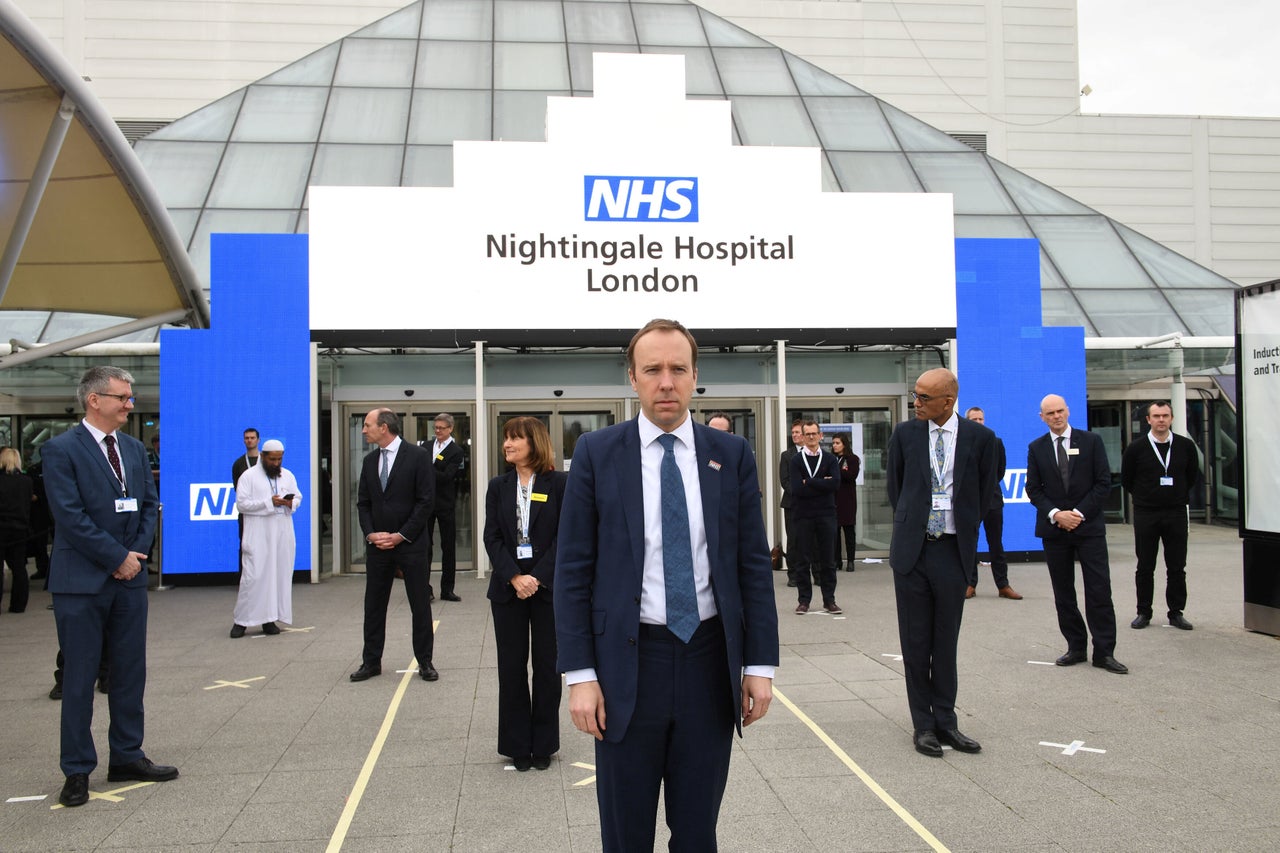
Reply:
x=649 y=631
x=938 y=537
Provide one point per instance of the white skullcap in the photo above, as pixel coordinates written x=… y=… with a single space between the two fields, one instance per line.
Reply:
x=271 y=445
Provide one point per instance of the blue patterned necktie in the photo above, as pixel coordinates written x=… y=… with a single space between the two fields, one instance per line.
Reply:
x=937 y=524
x=383 y=473
x=677 y=552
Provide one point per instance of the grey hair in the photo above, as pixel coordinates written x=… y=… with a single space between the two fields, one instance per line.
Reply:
x=96 y=380
x=446 y=417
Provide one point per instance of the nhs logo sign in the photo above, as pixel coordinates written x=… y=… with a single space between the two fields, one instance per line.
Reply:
x=622 y=198
x=213 y=502
x=1014 y=486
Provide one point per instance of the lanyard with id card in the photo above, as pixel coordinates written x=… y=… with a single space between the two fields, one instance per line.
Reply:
x=524 y=496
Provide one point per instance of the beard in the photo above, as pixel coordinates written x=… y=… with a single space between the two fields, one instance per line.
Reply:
x=270 y=470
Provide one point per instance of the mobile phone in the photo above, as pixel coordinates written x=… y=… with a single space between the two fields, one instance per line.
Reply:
x=289 y=496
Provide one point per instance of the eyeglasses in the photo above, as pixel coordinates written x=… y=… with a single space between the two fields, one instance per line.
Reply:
x=812 y=434
x=925 y=398
x=123 y=398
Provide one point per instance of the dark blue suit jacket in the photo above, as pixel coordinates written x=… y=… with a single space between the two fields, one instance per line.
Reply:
x=600 y=562
x=90 y=538
x=909 y=481
x=1089 y=482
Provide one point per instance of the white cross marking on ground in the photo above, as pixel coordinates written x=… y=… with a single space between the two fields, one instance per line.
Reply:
x=898 y=658
x=582 y=766
x=112 y=796
x=1072 y=748
x=243 y=683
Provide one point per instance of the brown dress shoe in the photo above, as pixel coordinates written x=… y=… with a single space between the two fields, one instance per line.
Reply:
x=970 y=592
x=1010 y=592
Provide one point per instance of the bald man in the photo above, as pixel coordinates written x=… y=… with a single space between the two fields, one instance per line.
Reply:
x=1068 y=478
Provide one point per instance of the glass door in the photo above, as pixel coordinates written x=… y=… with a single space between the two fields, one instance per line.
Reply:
x=567 y=422
x=424 y=433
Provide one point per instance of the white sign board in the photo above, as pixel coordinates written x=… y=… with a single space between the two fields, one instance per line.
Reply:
x=1259 y=370
x=637 y=206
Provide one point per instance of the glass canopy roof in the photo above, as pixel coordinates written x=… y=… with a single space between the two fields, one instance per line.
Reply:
x=383 y=106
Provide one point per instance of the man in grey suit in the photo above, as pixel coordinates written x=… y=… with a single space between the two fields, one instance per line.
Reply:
x=941 y=478
x=103 y=500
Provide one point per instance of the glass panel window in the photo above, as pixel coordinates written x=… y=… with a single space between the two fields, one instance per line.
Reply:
x=357 y=166
x=1166 y=266
x=700 y=74
x=376 y=62
x=668 y=25
x=582 y=62
x=812 y=80
x=281 y=114
x=457 y=19
x=605 y=23
x=1089 y=252
x=235 y=222
x=967 y=178
x=773 y=121
x=258 y=175
x=1207 y=312
x=1125 y=313
x=212 y=123
x=366 y=115
x=528 y=20
x=721 y=33
x=521 y=116
x=1049 y=275
x=530 y=66
x=753 y=71
x=455 y=65
x=992 y=226
x=63 y=325
x=1059 y=308
x=428 y=166
x=915 y=135
x=26 y=325
x=184 y=222
x=313 y=70
x=441 y=116
x=873 y=172
x=403 y=24
x=1033 y=196
x=181 y=171
x=853 y=124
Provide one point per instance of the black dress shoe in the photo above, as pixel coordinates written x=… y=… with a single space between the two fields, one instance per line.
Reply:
x=1071 y=658
x=522 y=763
x=1110 y=664
x=927 y=743
x=428 y=672
x=541 y=762
x=270 y=628
x=1177 y=621
x=56 y=692
x=237 y=631
x=1140 y=621
x=957 y=741
x=142 y=770
x=75 y=791
x=365 y=672
x=450 y=596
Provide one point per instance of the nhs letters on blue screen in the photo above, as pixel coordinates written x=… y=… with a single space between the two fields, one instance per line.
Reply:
x=633 y=198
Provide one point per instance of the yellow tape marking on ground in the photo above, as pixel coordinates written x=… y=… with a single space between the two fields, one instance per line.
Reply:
x=242 y=683
x=112 y=796
x=371 y=760
x=884 y=796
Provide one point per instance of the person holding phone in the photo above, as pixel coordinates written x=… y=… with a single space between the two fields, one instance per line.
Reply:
x=266 y=496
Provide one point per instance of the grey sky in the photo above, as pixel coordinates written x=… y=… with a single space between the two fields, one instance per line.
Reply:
x=1180 y=57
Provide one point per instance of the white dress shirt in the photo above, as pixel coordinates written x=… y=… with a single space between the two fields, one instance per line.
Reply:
x=98 y=435
x=1066 y=444
x=949 y=431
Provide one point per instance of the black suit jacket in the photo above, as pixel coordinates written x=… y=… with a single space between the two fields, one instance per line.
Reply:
x=910 y=488
x=784 y=476
x=446 y=466
x=501 y=535
x=1089 y=481
x=404 y=506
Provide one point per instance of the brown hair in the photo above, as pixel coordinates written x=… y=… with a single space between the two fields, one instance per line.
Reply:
x=541 y=457
x=661 y=326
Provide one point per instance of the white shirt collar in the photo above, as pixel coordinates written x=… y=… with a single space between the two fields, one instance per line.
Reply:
x=98 y=434
x=1066 y=433
x=649 y=431
x=952 y=424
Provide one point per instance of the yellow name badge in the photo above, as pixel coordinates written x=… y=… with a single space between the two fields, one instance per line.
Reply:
x=537 y=497
x=440 y=456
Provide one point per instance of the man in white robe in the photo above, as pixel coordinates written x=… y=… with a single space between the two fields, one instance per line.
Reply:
x=266 y=497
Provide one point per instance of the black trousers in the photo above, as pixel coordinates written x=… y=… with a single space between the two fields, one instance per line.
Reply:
x=679 y=740
x=850 y=534
x=993 y=523
x=816 y=542
x=789 y=522
x=380 y=575
x=1061 y=553
x=528 y=723
x=930 y=601
x=15 y=557
x=1151 y=527
x=447 y=516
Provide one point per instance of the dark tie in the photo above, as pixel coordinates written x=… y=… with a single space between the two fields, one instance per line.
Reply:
x=677 y=552
x=382 y=472
x=1062 y=460
x=113 y=457
x=937 y=522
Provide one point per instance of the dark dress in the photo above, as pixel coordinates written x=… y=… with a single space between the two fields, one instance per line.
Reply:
x=847 y=507
x=15 y=530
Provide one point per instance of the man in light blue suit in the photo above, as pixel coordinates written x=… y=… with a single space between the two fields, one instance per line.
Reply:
x=103 y=500
x=666 y=624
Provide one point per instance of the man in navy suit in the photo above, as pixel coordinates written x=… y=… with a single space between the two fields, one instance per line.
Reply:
x=394 y=499
x=941 y=479
x=103 y=500
x=1068 y=478
x=666 y=624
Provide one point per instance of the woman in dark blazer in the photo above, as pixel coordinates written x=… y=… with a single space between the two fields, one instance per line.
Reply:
x=846 y=496
x=15 y=525
x=522 y=514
